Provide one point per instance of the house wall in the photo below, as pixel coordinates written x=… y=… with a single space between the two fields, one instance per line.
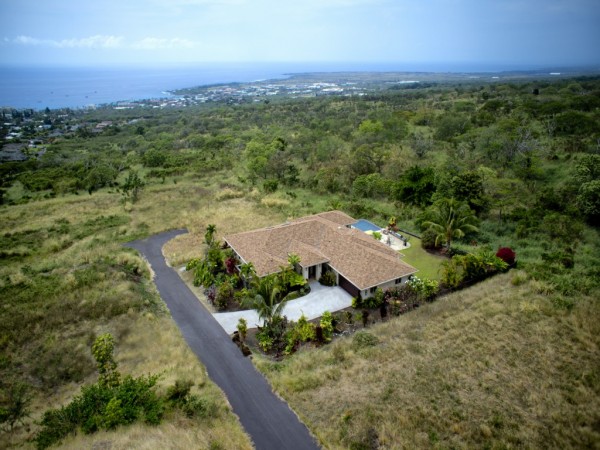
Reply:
x=318 y=271
x=390 y=284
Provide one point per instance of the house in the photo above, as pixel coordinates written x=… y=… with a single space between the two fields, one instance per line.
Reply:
x=324 y=242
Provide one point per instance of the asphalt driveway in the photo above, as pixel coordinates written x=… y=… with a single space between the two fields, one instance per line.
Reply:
x=268 y=420
x=320 y=299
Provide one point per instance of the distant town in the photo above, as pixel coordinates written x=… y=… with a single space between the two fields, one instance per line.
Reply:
x=24 y=133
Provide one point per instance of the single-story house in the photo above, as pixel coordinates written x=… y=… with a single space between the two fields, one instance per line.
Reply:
x=323 y=242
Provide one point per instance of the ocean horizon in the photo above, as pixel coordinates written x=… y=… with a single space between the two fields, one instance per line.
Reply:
x=81 y=87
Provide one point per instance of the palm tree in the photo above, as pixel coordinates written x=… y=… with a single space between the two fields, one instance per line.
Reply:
x=267 y=301
x=293 y=259
x=450 y=219
x=247 y=272
x=209 y=236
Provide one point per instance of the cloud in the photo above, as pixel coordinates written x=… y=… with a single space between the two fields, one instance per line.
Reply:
x=109 y=42
x=97 y=41
x=153 y=43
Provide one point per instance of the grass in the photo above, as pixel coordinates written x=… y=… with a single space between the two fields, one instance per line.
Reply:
x=494 y=366
x=65 y=278
x=428 y=264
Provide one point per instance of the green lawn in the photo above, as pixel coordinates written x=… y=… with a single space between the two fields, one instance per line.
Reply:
x=427 y=263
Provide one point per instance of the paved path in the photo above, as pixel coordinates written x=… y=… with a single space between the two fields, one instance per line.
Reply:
x=320 y=299
x=268 y=420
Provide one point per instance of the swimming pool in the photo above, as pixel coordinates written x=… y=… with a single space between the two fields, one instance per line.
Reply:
x=365 y=225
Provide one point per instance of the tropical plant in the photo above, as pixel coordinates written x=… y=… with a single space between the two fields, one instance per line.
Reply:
x=293 y=260
x=424 y=288
x=450 y=219
x=248 y=273
x=302 y=331
x=209 y=236
x=327 y=278
x=242 y=328
x=326 y=324
x=267 y=300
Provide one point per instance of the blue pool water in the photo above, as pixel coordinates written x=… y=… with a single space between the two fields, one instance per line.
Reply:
x=365 y=225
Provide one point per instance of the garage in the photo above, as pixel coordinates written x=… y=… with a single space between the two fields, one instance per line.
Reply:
x=348 y=287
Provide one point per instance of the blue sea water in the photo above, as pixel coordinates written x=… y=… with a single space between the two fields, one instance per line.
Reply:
x=41 y=87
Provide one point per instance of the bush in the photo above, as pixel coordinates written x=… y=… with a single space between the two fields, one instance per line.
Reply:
x=507 y=255
x=225 y=294
x=428 y=238
x=363 y=339
x=326 y=324
x=302 y=331
x=424 y=288
x=327 y=278
x=372 y=302
x=242 y=328
x=270 y=186
x=106 y=404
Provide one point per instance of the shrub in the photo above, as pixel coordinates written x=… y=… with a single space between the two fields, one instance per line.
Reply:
x=14 y=405
x=224 y=295
x=230 y=264
x=270 y=186
x=104 y=405
x=428 y=238
x=357 y=302
x=265 y=342
x=242 y=328
x=507 y=255
x=363 y=339
x=326 y=324
x=327 y=278
x=302 y=331
x=424 y=288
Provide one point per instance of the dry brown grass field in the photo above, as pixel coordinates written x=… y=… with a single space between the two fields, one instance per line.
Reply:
x=493 y=366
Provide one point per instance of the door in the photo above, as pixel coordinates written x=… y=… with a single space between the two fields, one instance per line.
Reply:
x=348 y=286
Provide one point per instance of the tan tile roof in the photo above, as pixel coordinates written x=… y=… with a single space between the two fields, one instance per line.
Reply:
x=317 y=239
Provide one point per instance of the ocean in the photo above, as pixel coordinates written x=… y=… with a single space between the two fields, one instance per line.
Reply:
x=54 y=87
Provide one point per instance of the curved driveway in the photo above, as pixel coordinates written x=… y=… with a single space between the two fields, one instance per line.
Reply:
x=268 y=420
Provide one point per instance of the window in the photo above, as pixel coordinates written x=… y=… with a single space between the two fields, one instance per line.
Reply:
x=372 y=290
x=398 y=280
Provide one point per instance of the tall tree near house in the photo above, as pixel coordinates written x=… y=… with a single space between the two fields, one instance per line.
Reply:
x=293 y=260
x=209 y=236
x=450 y=219
x=267 y=300
x=248 y=273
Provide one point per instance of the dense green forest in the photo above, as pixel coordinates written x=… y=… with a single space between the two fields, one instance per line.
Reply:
x=523 y=156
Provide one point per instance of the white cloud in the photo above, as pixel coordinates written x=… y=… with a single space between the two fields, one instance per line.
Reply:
x=153 y=43
x=97 y=41
x=110 y=42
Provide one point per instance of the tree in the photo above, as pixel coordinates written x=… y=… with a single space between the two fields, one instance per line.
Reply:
x=102 y=350
x=293 y=260
x=267 y=300
x=420 y=144
x=132 y=187
x=450 y=219
x=588 y=200
x=416 y=186
x=14 y=404
x=248 y=273
x=209 y=236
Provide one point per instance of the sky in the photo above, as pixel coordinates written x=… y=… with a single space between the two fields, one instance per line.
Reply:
x=521 y=33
